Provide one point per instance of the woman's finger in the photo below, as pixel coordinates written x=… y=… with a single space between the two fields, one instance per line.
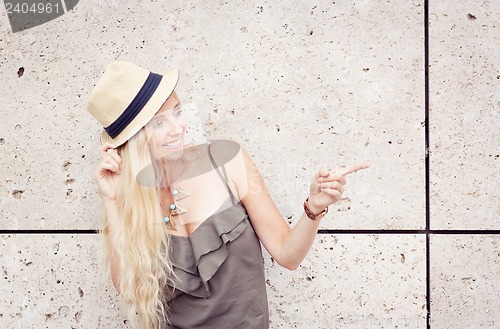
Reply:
x=333 y=177
x=332 y=192
x=112 y=161
x=332 y=185
x=353 y=168
x=114 y=155
x=321 y=173
x=107 y=166
x=104 y=148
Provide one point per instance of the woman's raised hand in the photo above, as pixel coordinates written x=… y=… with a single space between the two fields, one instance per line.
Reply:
x=327 y=186
x=108 y=171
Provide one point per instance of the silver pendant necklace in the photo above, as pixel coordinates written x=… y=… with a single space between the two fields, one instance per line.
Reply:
x=175 y=208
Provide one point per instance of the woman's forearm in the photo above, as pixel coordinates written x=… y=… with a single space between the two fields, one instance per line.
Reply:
x=298 y=242
x=326 y=188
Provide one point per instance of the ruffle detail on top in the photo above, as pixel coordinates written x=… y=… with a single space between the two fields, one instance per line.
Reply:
x=198 y=257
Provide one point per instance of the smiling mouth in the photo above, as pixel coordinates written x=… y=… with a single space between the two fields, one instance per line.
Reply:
x=173 y=144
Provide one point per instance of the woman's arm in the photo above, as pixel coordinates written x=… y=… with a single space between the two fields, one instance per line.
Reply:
x=288 y=246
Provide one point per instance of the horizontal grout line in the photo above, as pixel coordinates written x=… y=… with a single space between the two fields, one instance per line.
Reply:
x=472 y=232
x=369 y=231
x=49 y=231
x=321 y=231
x=390 y=231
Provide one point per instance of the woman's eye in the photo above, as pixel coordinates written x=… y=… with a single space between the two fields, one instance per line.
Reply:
x=179 y=112
x=158 y=124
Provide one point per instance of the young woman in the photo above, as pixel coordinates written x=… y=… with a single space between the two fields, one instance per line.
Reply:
x=183 y=223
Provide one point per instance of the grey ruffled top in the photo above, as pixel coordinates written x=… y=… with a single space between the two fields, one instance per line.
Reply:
x=220 y=272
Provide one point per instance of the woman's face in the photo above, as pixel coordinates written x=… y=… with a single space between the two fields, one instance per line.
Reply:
x=167 y=129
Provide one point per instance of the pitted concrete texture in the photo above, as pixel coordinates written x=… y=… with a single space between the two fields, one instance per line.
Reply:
x=464 y=281
x=54 y=281
x=300 y=86
x=352 y=281
x=464 y=100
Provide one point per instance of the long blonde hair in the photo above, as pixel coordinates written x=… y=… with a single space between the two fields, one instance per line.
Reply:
x=140 y=240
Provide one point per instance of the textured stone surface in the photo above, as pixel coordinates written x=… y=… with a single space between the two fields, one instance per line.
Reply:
x=304 y=93
x=54 y=281
x=352 y=281
x=299 y=85
x=464 y=120
x=346 y=281
x=464 y=281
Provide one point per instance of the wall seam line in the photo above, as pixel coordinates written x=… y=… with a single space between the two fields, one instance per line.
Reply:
x=427 y=165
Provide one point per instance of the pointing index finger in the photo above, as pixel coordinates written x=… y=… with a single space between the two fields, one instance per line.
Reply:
x=353 y=168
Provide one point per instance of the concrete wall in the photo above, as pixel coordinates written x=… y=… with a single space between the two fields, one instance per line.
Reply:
x=300 y=85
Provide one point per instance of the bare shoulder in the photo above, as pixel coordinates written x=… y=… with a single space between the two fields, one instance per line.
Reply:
x=230 y=153
x=224 y=150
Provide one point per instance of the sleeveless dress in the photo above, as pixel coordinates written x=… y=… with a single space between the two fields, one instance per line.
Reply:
x=220 y=270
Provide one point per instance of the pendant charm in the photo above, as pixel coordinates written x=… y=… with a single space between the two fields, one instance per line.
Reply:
x=176 y=210
x=170 y=223
x=179 y=194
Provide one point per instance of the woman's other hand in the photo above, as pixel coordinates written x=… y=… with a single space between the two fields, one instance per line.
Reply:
x=108 y=171
x=327 y=186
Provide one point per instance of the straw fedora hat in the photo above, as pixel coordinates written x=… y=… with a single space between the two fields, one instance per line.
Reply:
x=126 y=97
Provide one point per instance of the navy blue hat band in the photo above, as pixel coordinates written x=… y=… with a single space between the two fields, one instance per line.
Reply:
x=142 y=97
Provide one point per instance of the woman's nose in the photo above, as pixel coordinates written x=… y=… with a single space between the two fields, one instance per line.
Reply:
x=175 y=129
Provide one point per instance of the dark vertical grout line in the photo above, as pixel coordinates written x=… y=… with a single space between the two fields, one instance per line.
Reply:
x=427 y=165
